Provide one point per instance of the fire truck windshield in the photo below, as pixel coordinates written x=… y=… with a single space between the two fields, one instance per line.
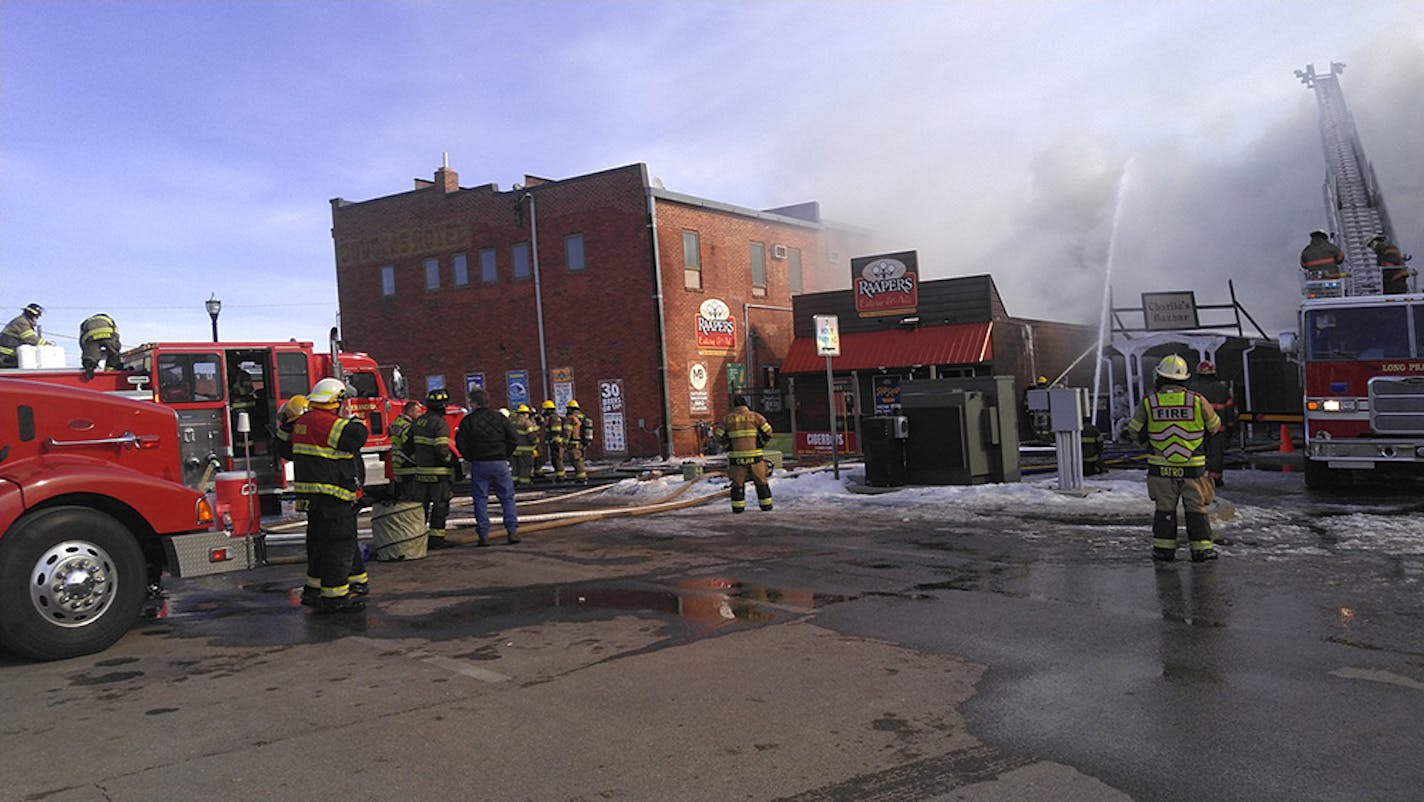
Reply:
x=1372 y=332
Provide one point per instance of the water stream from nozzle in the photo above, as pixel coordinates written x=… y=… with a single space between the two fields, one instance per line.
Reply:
x=1105 y=318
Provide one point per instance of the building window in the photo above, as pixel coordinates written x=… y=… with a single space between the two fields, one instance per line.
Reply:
x=489 y=274
x=432 y=273
x=691 y=260
x=793 y=270
x=462 y=270
x=573 y=252
x=520 y=252
x=388 y=279
x=758 y=269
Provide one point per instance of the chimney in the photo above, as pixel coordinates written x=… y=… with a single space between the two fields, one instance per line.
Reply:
x=445 y=178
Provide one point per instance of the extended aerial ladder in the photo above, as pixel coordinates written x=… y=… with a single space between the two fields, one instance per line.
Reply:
x=1353 y=202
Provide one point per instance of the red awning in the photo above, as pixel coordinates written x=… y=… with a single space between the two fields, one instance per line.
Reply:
x=960 y=344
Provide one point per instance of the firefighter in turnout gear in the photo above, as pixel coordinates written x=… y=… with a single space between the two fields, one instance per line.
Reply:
x=325 y=449
x=18 y=332
x=1218 y=394
x=743 y=433
x=551 y=438
x=527 y=441
x=428 y=447
x=1391 y=265
x=99 y=338
x=1321 y=258
x=1175 y=421
x=402 y=466
x=578 y=436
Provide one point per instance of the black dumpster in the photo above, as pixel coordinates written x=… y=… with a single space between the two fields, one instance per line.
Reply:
x=884 y=448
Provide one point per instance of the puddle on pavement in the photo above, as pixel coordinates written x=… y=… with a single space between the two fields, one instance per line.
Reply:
x=270 y=613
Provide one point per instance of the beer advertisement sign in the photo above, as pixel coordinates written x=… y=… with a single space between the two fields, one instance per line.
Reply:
x=716 y=329
x=887 y=284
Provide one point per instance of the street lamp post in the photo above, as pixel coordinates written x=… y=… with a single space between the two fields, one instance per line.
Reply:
x=214 y=307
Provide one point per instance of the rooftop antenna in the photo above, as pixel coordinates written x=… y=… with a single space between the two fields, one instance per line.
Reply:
x=445 y=160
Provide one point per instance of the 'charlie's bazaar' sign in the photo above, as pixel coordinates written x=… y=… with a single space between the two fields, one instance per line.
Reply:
x=716 y=329
x=886 y=284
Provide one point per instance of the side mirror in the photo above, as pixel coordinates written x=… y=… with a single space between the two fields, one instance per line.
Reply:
x=1288 y=342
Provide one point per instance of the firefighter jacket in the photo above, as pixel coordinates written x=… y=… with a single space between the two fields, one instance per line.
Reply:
x=743 y=433
x=1218 y=394
x=485 y=436
x=551 y=430
x=402 y=466
x=526 y=434
x=97 y=329
x=1175 y=421
x=18 y=332
x=578 y=429
x=1391 y=263
x=1321 y=255
x=325 y=450
x=428 y=447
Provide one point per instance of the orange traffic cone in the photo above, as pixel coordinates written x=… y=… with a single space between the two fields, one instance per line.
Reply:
x=1286 y=445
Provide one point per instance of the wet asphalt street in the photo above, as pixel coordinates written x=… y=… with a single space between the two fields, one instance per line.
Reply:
x=821 y=651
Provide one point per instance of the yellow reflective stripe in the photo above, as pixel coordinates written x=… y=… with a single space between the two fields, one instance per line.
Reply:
x=340 y=591
x=323 y=489
x=422 y=440
x=309 y=450
x=1164 y=543
x=336 y=429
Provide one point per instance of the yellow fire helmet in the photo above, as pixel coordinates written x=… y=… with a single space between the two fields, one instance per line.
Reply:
x=572 y=404
x=523 y=408
x=293 y=408
x=549 y=405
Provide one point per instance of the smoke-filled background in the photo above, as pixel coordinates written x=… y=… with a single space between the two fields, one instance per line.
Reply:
x=153 y=153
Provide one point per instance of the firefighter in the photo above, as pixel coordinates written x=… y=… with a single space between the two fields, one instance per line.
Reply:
x=1321 y=257
x=402 y=466
x=1218 y=393
x=743 y=433
x=578 y=436
x=1092 y=441
x=324 y=445
x=428 y=446
x=99 y=336
x=1391 y=263
x=18 y=332
x=527 y=443
x=551 y=438
x=1175 y=421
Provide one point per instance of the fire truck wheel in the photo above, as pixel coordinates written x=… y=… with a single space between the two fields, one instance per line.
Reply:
x=72 y=582
x=1319 y=476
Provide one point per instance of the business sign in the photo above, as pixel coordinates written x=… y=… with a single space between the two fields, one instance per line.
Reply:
x=1170 y=311
x=828 y=335
x=516 y=384
x=887 y=395
x=435 y=382
x=697 y=380
x=563 y=379
x=820 y=443
x=473 y=380
x=736 y=377
x=716 y=330
x=611 y=410
x=887 y=284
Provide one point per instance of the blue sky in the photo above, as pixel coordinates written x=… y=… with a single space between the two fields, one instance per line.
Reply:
x=154 y=153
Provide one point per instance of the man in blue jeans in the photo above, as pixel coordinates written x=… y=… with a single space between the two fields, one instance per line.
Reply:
x=486 y=439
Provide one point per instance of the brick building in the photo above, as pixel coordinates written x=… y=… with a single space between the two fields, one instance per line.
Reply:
x=645 y=305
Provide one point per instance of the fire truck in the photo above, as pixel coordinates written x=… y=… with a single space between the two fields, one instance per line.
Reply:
x=215 y=387
x=1362 y=368
x=92 y=513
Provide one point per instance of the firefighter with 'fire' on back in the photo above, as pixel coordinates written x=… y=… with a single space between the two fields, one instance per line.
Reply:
x=743 y=433
x=324 y=446
x=1174 y=422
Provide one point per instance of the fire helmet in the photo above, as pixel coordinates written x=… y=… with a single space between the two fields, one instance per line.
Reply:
x=1206 y=368
x=327 y=393
x=293 y=408
x=1173 y=366
x=34 y=310
x=523 y=408
x=1370 y=243
x=1319 y=234
x=548 y=405
x=437 y=398
x=572 y=404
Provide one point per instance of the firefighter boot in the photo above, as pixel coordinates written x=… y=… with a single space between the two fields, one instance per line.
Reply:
x=1164 y=536
x=311 y=596
x=1199 y=533
x=330 y=605
x=435 y=540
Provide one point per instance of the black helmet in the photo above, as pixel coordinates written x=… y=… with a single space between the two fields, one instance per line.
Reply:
x=739 y=401
x=439 y=397
x=34 y=310
x=1319 y=234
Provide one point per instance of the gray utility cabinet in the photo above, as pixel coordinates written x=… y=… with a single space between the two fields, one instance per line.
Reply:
x=963 y=431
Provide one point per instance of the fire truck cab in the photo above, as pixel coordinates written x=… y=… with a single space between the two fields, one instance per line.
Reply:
x=1362 y=370
x=212 y=385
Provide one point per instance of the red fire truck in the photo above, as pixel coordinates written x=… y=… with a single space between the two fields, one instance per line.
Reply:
x=92 y=513
x=1362 y=366
x=209 y=385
